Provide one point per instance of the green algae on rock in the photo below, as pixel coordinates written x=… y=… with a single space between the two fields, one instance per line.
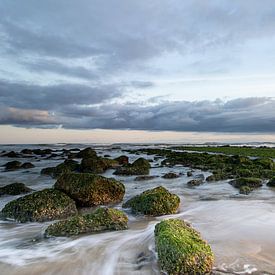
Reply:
x=67 y=166
x=154 y=202
x=195 y=182
x=170 y=175
x=103 y=219
x=139 y=167
x=89 y=189
x=14 y=189
x=40 y=206
x=86 y=153
x=246 y=185
x=97 y=165
x=271 y=182
x=181 y=250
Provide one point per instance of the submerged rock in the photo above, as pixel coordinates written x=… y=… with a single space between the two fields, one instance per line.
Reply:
x=170 y=175
x=271 y=182
x=42 y=152
x=139 y=167
x=189 y=174
x=14 y=189
x=27 y=165
x=89 y=189
x=195 y=182
x=40 y=206
x=12 y=165
x=154 y=202
x=246 y=185
x=103 y=219
x=26 y=152
x=181 y=250
x=11 y=154
x=142 y=178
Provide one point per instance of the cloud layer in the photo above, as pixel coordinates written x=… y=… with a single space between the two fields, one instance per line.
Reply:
x=101 y=64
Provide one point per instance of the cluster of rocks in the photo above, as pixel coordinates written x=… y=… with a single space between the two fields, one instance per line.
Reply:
x=92 y=163
x=15 y=165
x=180 y=248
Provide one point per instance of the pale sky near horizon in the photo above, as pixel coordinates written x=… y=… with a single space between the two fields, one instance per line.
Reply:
x=139 y=70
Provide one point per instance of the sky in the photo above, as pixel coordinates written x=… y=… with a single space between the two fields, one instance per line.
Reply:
x=137 y=71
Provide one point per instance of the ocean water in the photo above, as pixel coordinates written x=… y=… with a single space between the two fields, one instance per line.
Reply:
x=240 y=229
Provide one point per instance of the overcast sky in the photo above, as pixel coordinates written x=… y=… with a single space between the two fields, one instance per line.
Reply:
x=184 y=66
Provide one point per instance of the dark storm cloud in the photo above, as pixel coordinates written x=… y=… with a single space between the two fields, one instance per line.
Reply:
x=216 y=116
x=53 y=97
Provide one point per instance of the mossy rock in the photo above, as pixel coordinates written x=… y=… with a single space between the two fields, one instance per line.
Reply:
x=86 y=153
x=139 y=167
x=266 y=163
x=12 y=165
x=146 y=177
x=122 y=160
x=40 y=206
x=97 y=165
x=245 y=190
x=251 y=182
x=170 y=175
x=181 y=250
x=13 y=189
x=67 y=166
x=154 y=202
x=103 y=219
x=195 y=182
x=89 y=189
x=271 y=182
x=246 y=185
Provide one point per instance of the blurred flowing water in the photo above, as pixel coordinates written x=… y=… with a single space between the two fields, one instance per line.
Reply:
x=240 y=229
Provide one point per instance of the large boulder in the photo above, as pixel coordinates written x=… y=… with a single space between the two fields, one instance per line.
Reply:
x=40 y=206
x=181 y=250
x=13 y=189
x=67 y=166
x=154 y=202
x=103 y=219
x=89 y=189
x=139 y=167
